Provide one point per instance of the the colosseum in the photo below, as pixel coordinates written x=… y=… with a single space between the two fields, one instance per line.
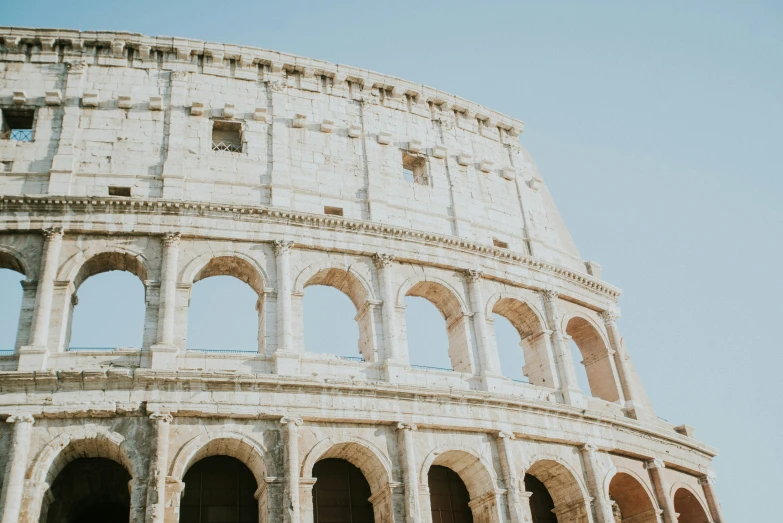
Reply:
x=177 y=160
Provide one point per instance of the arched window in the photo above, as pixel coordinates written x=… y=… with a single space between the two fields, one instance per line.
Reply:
x=424 y=338
x=510 y=355
x=223 y=316
x=90 y=490
x=689 y=508
x=541 y=503
x=329 y=325
x=11 y=295
x=341 y=493
x=630 y=501
x=108 y=312
x=448 y=496
x=598 y=365
x=219 y=489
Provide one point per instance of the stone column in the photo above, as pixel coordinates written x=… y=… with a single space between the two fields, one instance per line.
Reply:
x=708 y=485
x=383 y=262
x=408 y=465
x=661 y=486
x=622 y=361
x=15 y=467
x=33 y=356
x=286 y=358
x=159 y=457
x=516 y=509
x=290 y=427
x=62 y=169
x=563 y=360
x=603 y=509
x=164 y=352
x=488 y=357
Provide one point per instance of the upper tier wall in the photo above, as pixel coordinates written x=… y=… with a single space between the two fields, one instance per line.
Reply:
x=125 y=110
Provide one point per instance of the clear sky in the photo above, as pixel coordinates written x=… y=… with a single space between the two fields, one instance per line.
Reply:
x=657 y=127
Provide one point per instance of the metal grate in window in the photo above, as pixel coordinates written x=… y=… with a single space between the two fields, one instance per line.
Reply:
x=19 y=135
x=227 y=146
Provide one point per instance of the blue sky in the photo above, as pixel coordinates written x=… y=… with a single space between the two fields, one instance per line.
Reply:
x=656 y=126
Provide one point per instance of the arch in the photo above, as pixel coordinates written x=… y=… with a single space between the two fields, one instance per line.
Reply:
x=12 y=259
x=84 y=442
x=226 y=263
x=688 y=505
x=438 y=291
x=346 y=280
x=632 y=496
x=94 y=261
x=363 y=454
x=596 y=356
x=523 y=315
x=562 y=482
x=233 y=444
x=475 y=470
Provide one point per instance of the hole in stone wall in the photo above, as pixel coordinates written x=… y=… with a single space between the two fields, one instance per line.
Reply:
x=17 y=124
x=222 y=315
x=334 y=211
x=509 y=350
x=219 y=489
x=329 y=325
x=10 y=308
x=226 y=136
x=428 y=342
x=109 y=312
x=499 y=243
x=414 y=169
x=119 y=191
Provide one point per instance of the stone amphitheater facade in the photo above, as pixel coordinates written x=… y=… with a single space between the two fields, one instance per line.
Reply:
x=178 y=160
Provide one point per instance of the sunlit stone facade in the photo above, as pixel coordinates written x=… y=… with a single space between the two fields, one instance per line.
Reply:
x=177 y=160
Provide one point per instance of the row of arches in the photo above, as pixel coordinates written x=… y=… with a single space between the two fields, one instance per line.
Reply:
x=227 y=311
x=225 y=480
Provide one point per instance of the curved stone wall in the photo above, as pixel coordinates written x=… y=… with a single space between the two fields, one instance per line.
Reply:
x=178 y=160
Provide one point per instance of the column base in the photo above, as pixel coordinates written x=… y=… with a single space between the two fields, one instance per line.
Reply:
x=287 y=363
x=32 y=357
x=163 y=357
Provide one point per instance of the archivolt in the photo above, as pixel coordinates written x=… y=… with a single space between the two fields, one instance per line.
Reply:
x=233 y=444
x=475 y=470
x=94 y=261
x=346 y=280
x=630 y=492
x=439 y=292
x=226 y=263
x=12 y=259
x=366 y=456
x=524 y=316
x=560 y=480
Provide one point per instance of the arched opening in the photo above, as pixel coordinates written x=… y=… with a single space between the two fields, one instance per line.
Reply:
x=111 y=303
x=424 y=330
x=90 y=490
x=541 y=503
x=568 y=500
x=449 y=498
x=630 y=500
x=338 y=318
x=598 y=366
x=226 y=307
x=341 y=493
x=11 y=298
x=219 y=489
x=689 y=508
x=517 y=325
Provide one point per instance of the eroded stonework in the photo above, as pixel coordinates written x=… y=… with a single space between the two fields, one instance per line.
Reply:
x=178 y=160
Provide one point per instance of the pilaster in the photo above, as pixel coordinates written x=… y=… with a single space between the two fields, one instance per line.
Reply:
x=661 y=486
x=565 y=364
x=164 y=352
x=287 y=359
x=15 y=467
x=291 y=506
x=408 y=465
x=64 y=160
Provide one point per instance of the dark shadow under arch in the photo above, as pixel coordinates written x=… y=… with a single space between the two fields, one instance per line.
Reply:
x=689 y=508
x=341 y=493
x=596 y=359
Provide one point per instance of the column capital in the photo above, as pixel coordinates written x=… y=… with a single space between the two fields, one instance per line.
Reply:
x=382 y=260
x=53 y=233
x=506 y=435
x=291 y=419
x=473 y=275
x=283 y=246
x=549 y=294
x=171 y=238
x=589 y=448
x=20 y=418
x=707 y=480
x=653 y=464
x=610 y=315
x=406 y=426
x=164 y=417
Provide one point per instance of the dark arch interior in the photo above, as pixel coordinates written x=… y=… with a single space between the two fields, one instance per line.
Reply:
x=541 y=504
x=90 y=490
x=219 y=489
x=688 y=507
x=448 y=496
x=341 y=493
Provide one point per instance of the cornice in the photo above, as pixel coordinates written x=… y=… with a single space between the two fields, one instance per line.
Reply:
x=89 y=205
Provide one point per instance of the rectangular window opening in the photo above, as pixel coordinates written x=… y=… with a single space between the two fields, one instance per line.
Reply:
x=119 y=191
x=334 y=211
x=17 y=125
x=227 y=136
x=499 y=243
x=414 y=169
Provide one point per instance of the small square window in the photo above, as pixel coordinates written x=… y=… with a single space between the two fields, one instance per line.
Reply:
x=17 y=125
x=334 y=211
x=227 y=136
x=499 y=243
x=414 y=169
x=119 y=191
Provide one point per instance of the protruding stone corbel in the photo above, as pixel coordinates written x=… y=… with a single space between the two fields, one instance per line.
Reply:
x=196 y=109
x=156 y=103
x=229 y=111
x=54 y=97
x=20 y=98
x=415 y=146
x=124 y=101
x=327 y=126
x=384 y=138
x=259 y=114
x=90 y=99
x=486 y=166
x=300 y=120
x=354 y=131
x=464 y=159
x=438 y=151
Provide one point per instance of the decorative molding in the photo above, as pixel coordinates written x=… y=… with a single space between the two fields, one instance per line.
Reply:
x=655 y=463
x=164 y=417
x=406 y=426
x=610 y=315
x=288 y=418
x=283 y=246
x=20 y=418
x=382 y=260
x=53 y=233
x=171 y=238
x=473 y=275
